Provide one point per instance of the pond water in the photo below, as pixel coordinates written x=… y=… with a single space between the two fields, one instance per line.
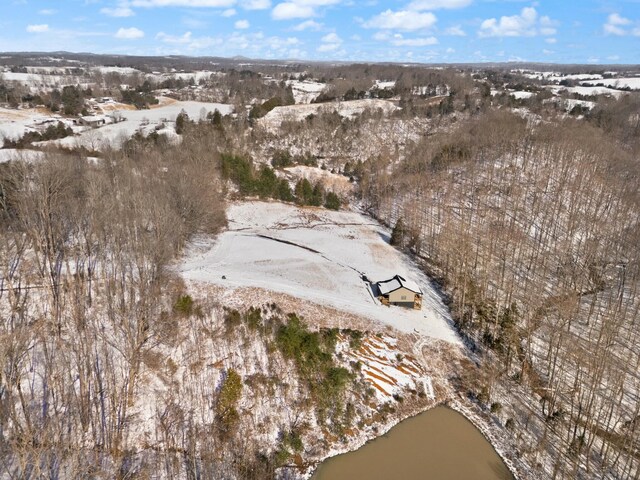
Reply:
x=440 y=444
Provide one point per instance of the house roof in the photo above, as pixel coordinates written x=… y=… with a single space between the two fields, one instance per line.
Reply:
x=93 y=118
x=393 y=284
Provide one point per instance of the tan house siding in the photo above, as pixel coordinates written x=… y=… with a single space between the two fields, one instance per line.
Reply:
x=402 y=295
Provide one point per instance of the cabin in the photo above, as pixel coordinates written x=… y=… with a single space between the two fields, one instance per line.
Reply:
x=93 y=121
x=400 y=291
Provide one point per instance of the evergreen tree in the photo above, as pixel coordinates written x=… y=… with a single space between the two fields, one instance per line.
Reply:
x=284 y=191
x=398 y=233
x=332 y=201
x=317 y=195
x=304 y=192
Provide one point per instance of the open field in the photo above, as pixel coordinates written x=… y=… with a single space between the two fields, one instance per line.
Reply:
x=316 y=255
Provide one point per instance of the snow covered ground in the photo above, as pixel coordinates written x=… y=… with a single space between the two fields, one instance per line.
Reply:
x=316 y=255
x=305 y=91
x=44 y=82
x=382 y=84
x=588 y=91
x=521 y=94
x=15 y=122
x=297 y=113
x=9 y=154
x=633 y=83
x=145 y=120
x=556 y=76
x=332 y=181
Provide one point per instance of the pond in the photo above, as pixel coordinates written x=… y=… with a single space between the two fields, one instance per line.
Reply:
x=439 y=444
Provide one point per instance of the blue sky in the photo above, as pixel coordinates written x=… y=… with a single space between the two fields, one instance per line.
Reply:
x=560 y=31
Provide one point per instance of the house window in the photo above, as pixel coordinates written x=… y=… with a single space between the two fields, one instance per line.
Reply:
x=403 y=297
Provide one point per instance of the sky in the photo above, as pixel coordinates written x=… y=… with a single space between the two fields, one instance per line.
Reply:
x=429 y=31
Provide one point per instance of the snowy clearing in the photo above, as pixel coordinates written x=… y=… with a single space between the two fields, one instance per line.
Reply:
x=519 y=95
x=633 y=83
x=331 y=181
x=16 y=122
x=305 y=91
x=588 y=91
x=317 y=255
x=11 y=154
x=383 y=84
x=154 y=119
x=297 y=113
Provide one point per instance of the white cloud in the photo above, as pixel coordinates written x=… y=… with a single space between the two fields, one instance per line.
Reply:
x=328 y=47
x=331 y=38
x=191 y=22
x=438 y=4
x=229 y=12
x=551 y=41
x=617 y=19
x=547 y=26
x=241 y=24
x=182 y=3
x=188 y=41
x=526 y=24
x=129 y=33
x=173 y=39
x=455 y=31
x=401 y=20
x=308 y=25
x=255 y=4
x=38 y=28
x=299 y=8
x=330 y=42
x=117 y=12
x=47 y=11
x=288 y=10
x=615 y=24
x=399 y=41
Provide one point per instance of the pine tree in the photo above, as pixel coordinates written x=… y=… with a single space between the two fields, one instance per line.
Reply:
x=397 y=234
x=332 y=201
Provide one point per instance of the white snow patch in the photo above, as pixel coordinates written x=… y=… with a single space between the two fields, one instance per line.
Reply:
x=588 y=91
x=349 y=109
x=382 y=84
x=144 y=120
x=521 y=95
x=305 y=91
x=633 y=83
x=10 y=154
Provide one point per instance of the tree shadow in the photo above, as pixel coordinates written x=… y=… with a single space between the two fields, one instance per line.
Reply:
x=386 y=238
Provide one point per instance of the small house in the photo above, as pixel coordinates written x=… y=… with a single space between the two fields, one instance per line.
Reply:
x=400 y=291
x=93 y=121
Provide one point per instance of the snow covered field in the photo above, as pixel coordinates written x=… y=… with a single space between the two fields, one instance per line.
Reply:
x=588 y=91
x=305 y=91
x=633 y=83
x=10 y=154
x=316 y=255
x=16 y=122
x=146 y=120
x=297 y=113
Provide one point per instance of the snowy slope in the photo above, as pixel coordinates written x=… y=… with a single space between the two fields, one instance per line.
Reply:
x=147 y=120
x=326 y=255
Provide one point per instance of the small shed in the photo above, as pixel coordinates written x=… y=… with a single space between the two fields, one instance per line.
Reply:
x=400 y=291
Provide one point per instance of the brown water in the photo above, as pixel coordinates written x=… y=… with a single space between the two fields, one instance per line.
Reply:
x=439 y=444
